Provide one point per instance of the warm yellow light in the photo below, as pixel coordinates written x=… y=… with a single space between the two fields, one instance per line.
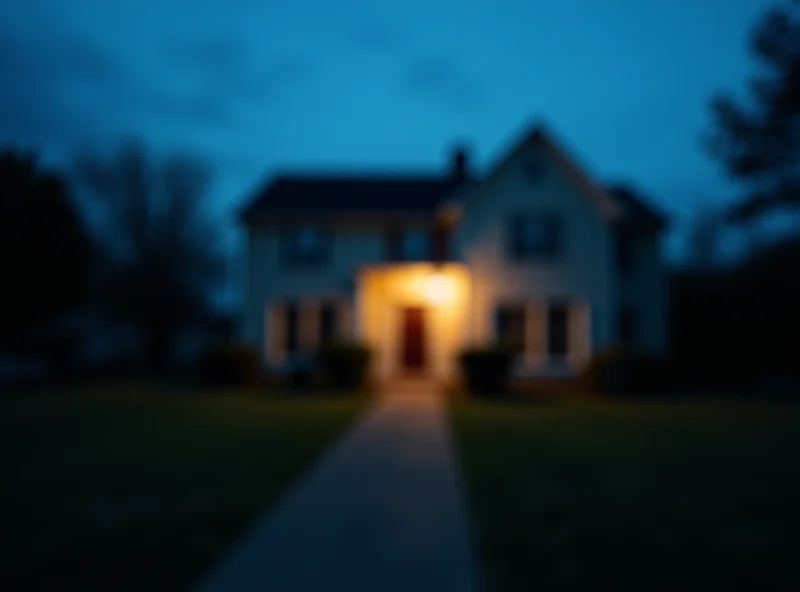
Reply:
x=438 y=288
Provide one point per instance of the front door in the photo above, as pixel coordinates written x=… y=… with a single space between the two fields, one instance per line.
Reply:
x=413 y=338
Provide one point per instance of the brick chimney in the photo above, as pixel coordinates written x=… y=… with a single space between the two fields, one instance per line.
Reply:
x=460 y=163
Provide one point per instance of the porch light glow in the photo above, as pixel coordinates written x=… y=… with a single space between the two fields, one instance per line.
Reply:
x=438 y=288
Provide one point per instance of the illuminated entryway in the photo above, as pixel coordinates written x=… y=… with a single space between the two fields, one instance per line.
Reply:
x=414 y=317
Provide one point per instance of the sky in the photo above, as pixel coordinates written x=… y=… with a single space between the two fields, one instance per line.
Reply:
x=254 y=86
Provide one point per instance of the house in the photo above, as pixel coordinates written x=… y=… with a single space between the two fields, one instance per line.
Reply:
x=535 y=253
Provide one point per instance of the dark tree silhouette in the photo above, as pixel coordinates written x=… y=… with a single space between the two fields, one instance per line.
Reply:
x=45 y=255
x=704 y=237
x=163 y=256
x=758 y=141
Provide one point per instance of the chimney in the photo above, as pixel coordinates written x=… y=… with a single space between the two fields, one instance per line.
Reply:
x=460 y=164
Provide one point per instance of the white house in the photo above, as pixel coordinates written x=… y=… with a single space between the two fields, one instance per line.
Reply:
x=535 y=253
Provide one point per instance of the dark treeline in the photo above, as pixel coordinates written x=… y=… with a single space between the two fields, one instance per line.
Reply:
x=739 y=325
x=126 y=290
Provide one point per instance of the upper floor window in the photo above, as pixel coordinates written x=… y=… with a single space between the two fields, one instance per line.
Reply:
x=535 y=236
x=408 y=244
x=416 y=245
x=306 y=245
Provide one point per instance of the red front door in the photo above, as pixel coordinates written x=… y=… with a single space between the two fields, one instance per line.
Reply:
x=413 y=338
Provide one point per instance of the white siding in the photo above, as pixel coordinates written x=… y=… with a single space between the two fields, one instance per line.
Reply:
x=583 y=273
x=267 y=280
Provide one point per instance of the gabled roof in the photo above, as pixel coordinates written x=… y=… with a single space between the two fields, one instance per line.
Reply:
x=638 y=209
x=392 y=193
x=346 y=194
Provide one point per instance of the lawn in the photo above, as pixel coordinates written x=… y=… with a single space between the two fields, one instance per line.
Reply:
x=624 y=496
x=138 y=489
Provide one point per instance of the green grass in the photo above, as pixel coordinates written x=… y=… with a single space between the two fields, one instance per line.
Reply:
x=624 y=496
x=133 y=489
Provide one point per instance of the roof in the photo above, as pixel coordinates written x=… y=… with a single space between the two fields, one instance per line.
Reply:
x=343 y=194
x=393 y=193
x=637 y=208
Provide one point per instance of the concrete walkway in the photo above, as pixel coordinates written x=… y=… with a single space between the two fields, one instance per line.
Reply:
x=383 y=511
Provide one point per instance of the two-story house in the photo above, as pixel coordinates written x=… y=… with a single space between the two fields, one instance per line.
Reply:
x=535 y=253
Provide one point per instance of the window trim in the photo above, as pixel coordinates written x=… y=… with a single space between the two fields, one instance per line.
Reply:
x=537 y=351
x=515 y=223
x=395 y=250
x=289 y=248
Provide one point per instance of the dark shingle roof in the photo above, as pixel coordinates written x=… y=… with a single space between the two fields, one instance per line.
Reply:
x=636 y=206
x=377 y=194
x=332 y=194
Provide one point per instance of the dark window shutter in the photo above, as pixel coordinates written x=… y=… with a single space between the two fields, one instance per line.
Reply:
x=328 y=323
x=510 y=326
x=558 y=329
x=292 y=328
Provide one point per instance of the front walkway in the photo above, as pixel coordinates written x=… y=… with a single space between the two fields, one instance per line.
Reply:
x=384 y=510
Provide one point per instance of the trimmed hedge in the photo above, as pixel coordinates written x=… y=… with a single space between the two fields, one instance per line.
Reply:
x=487 y=370
x=345 y=366
x=622 y=370
x=229 y=364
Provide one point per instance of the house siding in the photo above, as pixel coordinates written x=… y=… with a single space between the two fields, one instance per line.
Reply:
x=268 y=280
x=582 y=273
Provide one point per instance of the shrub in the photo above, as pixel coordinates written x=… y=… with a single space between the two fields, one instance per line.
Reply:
x=345 y=365
x=487 y=370
x=624 y=370
x=229 y=364
x=303 y=373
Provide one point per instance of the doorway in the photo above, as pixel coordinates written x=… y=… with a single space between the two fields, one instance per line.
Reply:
x=412 y=333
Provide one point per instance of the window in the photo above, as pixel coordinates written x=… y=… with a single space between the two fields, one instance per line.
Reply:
x=415 y=245
x=408 y=244
x=627 y=325
x=292 y=328
x=535 y=237
x=510 y=326
x=328 y=322
x=624 y=245
x=557 y=330
x=306 y=246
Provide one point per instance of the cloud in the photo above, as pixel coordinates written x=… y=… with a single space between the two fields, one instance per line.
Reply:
x=225 y=65
x=38 y=81
x=213 y=56
x=440 y=78
x=59 y=90
x=377 y=36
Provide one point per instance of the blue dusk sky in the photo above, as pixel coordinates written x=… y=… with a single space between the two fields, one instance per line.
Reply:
x=255 y=85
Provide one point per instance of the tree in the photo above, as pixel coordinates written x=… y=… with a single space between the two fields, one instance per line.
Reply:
x=45 y=254
x=704 y=237
x=162 y=246
x=758 y=142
